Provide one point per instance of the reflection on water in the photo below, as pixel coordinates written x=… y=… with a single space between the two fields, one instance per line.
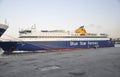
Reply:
x=117 y=45
x=1 y=51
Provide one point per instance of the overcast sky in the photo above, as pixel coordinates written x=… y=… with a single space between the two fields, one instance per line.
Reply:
x=98 y=16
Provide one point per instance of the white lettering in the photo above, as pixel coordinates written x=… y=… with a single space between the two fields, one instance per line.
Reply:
x=82 y=43
x=73 y=43
x=92 y=43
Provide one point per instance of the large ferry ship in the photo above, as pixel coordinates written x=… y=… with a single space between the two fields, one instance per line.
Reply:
x=33 y=40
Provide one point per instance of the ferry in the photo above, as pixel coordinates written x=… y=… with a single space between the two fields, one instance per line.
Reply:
x=33 y=40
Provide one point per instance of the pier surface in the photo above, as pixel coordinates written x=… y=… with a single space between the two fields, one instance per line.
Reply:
x=100 y=62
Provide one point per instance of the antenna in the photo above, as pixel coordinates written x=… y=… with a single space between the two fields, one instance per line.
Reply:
x=5 y=21
x=34 y=26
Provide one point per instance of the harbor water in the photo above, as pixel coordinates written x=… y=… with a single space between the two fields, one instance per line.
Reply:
x=100 y=62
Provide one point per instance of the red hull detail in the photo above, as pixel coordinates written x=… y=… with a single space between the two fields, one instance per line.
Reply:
x=59 y=49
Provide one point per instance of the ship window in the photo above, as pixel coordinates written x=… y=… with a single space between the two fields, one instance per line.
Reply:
x=25 y=31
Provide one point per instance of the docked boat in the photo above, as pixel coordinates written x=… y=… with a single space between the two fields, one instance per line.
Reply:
x=33 y=40
x=3 y=28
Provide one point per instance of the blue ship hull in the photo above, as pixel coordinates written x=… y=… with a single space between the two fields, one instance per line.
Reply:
x=3 y=28
x=10 y=46
x=2 y=31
